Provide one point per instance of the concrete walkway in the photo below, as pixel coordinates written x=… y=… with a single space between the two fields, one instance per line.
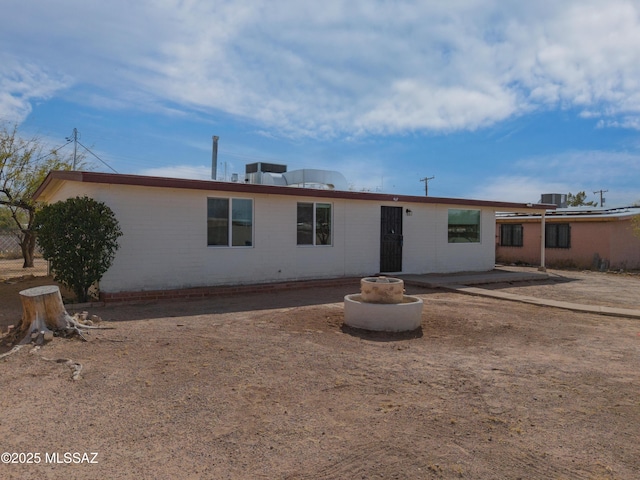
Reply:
x=462 y=283
x=472 y=278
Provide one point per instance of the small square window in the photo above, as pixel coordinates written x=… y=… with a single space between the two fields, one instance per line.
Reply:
x=464 y=226
x=511 y=235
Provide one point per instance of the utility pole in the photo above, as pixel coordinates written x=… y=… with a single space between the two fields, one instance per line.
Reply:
x=602 y=199
x=426 y=184
x=75 y=146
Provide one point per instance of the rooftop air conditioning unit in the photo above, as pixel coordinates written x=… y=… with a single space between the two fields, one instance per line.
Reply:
x=557 y=199
x=254 y=171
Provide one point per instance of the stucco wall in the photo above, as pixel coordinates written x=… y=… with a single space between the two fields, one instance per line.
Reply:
x=594 y=244
x=625 y=247
x=164 y=242
x=589 y=246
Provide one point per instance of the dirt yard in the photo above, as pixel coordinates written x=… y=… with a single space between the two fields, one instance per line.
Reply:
x=276 y=387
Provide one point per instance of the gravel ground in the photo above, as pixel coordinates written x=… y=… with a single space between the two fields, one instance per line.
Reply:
x=275 y=386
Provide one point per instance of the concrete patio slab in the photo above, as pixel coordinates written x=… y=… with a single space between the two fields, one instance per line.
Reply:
x=472 y=278
x=463 y=283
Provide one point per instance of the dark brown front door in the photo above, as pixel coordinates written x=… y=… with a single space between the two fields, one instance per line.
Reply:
x=391 y=239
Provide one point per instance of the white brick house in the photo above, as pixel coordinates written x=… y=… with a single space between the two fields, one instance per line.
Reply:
x=180 y=234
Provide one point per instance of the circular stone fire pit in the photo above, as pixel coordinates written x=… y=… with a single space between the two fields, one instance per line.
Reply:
x=381 y=290
x=382 y=306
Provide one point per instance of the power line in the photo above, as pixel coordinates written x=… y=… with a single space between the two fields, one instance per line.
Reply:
x=52 y=152
x=103 y=162
x=77 y=142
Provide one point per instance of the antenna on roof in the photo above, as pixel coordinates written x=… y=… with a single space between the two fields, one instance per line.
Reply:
x=426 y=184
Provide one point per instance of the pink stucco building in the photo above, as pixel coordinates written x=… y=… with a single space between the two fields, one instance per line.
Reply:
x=591 y=239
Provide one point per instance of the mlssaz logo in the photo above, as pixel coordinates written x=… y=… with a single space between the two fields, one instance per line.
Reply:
x=71 y=457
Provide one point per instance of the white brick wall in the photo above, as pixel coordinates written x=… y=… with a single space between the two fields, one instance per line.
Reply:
x=164 y=245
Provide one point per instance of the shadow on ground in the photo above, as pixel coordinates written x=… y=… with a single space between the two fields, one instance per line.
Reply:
x=284 y=299
x=381 y=336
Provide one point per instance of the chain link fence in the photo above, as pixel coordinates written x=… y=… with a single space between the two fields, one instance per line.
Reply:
x=10 y=243
x=11 y=257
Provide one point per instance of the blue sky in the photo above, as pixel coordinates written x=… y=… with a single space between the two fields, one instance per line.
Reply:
x=497 y=99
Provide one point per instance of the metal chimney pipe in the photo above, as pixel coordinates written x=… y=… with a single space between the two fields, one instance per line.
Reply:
x=214 y=159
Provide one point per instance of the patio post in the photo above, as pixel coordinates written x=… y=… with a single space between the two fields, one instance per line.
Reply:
x=542 y=266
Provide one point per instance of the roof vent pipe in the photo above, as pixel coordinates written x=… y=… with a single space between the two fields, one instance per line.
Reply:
x=214 y=158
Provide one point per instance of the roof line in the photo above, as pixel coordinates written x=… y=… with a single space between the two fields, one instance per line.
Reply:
x=213 y=185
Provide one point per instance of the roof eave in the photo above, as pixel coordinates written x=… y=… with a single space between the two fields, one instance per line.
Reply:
x=58 y=176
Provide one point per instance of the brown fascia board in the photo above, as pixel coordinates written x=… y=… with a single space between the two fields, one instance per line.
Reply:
x=56 y=175
x=218 y=186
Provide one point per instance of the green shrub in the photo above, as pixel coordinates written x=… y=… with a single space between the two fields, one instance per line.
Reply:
x=79 y=236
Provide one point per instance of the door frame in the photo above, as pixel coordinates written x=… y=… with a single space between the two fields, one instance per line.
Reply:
x=391 y=238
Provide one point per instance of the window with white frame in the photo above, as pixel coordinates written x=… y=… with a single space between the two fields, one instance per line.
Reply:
x=314 y=223
x=464 y=226
x=230 y=222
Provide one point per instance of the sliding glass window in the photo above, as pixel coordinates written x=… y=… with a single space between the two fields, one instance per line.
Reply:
x=230 y=222
x=314 y=224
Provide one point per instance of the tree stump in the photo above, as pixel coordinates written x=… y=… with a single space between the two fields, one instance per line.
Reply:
x=43 y=314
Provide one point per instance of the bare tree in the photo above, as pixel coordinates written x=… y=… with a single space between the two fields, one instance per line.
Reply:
x=24 y=163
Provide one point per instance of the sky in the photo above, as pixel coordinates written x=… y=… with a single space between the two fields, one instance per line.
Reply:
x=495 y=99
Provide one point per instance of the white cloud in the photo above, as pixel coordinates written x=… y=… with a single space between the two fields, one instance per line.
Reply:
x=585 y=57
x=23 y=83
x=518 y=188
x=411 y=106
x=338 y=67
x=587 y=168
x=629 y=122
x=587 y=171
